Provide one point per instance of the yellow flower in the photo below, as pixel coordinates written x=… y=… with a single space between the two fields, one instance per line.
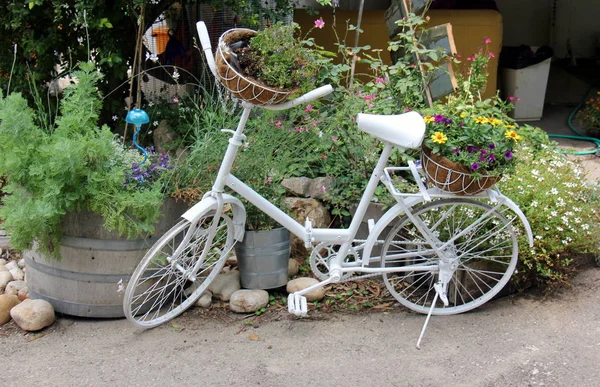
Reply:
x=481 y=120
x=511 y=134
x=509 y=126
x=428 y=119
x=439 y=137
x=464 y=115
x=495 y=121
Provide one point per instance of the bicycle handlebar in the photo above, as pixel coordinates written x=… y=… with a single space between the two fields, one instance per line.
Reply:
x=310 y=96
x=206 y=47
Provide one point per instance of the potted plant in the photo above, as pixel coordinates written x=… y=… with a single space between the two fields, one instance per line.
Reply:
x=469 y=142
x=268 y=66
x=83 y=205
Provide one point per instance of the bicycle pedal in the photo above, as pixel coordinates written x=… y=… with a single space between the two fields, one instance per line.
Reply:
x=297 y=305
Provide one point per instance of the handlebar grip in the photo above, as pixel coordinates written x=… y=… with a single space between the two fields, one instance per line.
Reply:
x=310 y=96
x=206 y=47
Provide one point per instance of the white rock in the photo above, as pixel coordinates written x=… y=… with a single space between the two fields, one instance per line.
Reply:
x=248 y=301
x=33 y=315
x=302 y=283
x=13 y=287
x=5 y=278
x=17 y=273
x=7 y=302
x=23 y=293
x=2 y=260
x=21 y=263
x=11 y=265
x=293 y=267
x=3 y=268
x=205 y=300
x=224 y=285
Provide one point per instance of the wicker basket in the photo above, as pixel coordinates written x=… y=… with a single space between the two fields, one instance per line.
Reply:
x=244 y=87
x=453 y=177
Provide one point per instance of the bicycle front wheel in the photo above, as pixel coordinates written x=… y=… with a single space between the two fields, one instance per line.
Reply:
x=486 y=255
x=164 y=285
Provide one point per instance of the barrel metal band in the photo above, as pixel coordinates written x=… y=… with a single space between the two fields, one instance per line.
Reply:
x=83 y=310
x=75 y=276
x=107 y=244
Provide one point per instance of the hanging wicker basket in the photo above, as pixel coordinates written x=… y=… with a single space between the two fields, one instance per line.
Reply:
x=453 y=177
x=241 y=86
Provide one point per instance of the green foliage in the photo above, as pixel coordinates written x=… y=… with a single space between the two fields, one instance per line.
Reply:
x=590 y=114
x=561 y=207
x=72 y=165
x=281 y=59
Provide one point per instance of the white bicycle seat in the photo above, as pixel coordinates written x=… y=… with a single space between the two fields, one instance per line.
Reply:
x=406 y=130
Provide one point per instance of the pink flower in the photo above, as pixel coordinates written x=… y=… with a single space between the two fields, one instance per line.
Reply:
x=511 y=98
x=518 y=99
x=371 y=106
x=278 y=124
x=176 y=100
x=487 y=40
x=369 y=97
x=458 y=56
x=299 y=129
x=309 y=108
x=379 y=80
x=314 y=123
x=269 y=180
x=324 y=157
x=469 y=58
x=334 y=138
x=413 y=65
x=407 y=109
x=323 y=188
x=491 y=55
x=319 y=23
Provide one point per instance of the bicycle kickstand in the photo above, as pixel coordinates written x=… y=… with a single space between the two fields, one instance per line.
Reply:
x=440 y=292
x=297 y=304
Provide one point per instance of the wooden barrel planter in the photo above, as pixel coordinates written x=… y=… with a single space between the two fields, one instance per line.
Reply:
x=86 y=281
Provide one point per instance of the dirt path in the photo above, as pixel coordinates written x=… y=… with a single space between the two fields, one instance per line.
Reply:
x=515 y=341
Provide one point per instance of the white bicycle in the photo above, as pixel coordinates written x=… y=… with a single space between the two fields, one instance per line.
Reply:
x=438 y=253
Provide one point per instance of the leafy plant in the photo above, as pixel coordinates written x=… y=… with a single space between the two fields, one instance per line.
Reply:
x=590 y=115
x=72 y=165
x=561 y=207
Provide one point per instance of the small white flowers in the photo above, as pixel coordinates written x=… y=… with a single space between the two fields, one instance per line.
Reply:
x=152 y=57
x=554 y=191
x=534 y=203
x=155 y=123
x=115 y=117
x=176 y=75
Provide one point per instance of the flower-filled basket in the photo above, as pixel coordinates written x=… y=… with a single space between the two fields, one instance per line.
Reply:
x=466 y=149
x=269 y=66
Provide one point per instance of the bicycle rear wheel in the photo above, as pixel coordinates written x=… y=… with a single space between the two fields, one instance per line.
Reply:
x=487 y=255
x=163 y=285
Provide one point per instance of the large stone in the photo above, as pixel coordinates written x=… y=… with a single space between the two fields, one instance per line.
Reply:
x=33 y=315
x=21 y=263
x=17 y=273
x=293 y=267
x=224 y=285
x=248 y=301
x=302 y=283
x=296 y=185
x=317 y=188
x=308 y=208
x=7 y=302
x=205 y=300
x=13 y=287
x=5 y=278
x=2 y=260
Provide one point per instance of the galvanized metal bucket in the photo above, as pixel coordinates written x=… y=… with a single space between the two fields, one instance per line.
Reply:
x=263 y=258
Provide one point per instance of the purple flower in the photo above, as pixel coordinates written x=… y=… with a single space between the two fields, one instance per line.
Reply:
x=482 y=158
x=483 y=152
x=508 y=154
x=492 y=146
x=474 y=166
x=492 y=157
x=456 y=151
x=461 y=124
x=471 y=149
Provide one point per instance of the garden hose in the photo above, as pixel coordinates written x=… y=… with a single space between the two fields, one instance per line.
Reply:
x=579 y=136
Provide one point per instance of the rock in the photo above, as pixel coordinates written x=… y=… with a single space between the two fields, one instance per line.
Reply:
x=2 y=260
x=224 y=285
x=248 y=301
x=205 y=300
x=21 y=263
x=296 y=185
x=17 y=273
x=5 y=278
x=7 y=302
x=302 y=283
x=292 y=267
x=308 y=208
x=162 y=136
x=13 y=287
x=319 y=186
x=23 y=293
x=3 y=268
x=33 y=315
x=11 y=265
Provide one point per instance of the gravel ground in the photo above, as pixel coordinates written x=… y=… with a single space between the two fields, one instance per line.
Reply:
x=514 y=341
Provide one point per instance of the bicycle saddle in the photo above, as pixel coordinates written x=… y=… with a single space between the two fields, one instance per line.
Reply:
x=406 y=131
